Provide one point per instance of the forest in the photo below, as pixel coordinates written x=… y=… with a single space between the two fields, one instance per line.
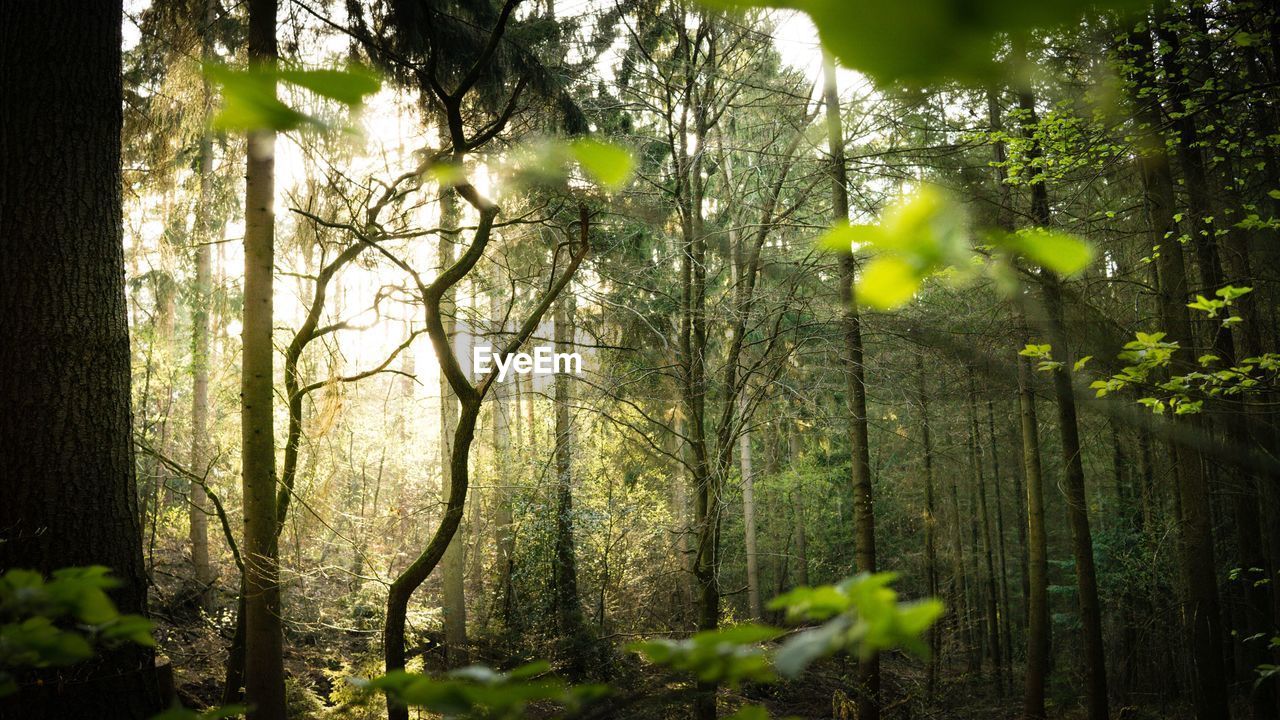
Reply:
x=594 y=359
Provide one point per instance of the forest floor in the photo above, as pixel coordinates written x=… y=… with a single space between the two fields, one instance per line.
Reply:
x=319 y=658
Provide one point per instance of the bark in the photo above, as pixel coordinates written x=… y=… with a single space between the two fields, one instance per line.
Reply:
x=1064 y=395
x=565 y=576
x=1038 y=627
x=1201 y=605
x=207 y=226
x=66 y=459
x=868 y=702
x=930 y=530
x=988 y=547
x=264 y=661
x=453 y=565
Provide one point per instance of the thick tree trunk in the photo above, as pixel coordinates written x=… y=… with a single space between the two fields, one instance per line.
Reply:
x=264 y=662
x=1199 y=573
x=868 y=702
x=66 y=458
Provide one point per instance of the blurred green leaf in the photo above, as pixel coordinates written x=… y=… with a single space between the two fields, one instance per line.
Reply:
x=926 y=41
x=610 y=165
x=349 y=87
x=250 y=101
x=1063 y=253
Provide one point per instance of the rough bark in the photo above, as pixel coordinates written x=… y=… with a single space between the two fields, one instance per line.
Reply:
x=66 y=458
x=1201 y=605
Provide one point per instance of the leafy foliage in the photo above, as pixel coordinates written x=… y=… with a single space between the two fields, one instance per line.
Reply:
x=927 y=234
x=861 y=614
x=921 y=41
x=57 y=622
x=250 y=101
x=477 y=691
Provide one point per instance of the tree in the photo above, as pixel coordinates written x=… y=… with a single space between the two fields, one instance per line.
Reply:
x=67 y=464
x=263 y=627
x=855 y=381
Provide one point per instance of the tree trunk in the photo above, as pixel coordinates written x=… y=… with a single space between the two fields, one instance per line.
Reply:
x=264 y=663
x=868 y=703
x=1077 y=507
x=505 y=407
x=206 y=232
x=988 y=547
x=66 y=457
x=565 y=577
x=1005 y=627
x=453 y=565
x=1038 y=627
x=930 y=530
x=1201 y=606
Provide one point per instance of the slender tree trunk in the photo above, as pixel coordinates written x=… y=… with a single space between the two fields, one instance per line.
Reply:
x=565 y=577
x=1000 y=548
x=755 y=609
x=505 y=406
x=1077 y=506
x=206 y=232
x=66 y=458
x=988 y=550
x=868 y=703
x=453 y=565
x=264 y=661
x=1038 y=627
x=930 y=530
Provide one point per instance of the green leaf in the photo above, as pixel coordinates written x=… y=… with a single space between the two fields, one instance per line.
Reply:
x=250 y=102
x=1081 y=363
x=610 y=165
x=801 y=649
x=1062 y=253
x=887 y=282
x=349 y=87
x=925 y=41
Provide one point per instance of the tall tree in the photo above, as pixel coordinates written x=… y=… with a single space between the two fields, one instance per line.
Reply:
x=66 y=456
x=1069 y=430
x=264 y=640
x=855 y=382
x=207 y=224
x=1201 y=605
x=1038 y=625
